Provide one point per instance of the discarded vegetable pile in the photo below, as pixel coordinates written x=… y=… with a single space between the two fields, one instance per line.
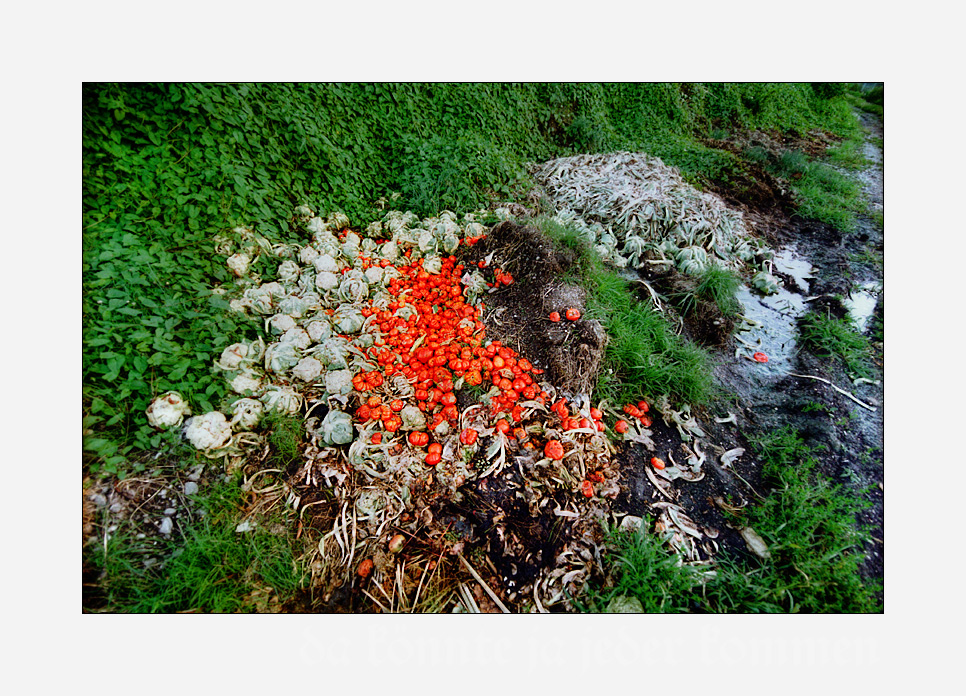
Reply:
x=635 y=210
x=378 y=341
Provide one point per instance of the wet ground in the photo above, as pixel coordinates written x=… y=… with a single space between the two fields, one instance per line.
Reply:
x=822 y=270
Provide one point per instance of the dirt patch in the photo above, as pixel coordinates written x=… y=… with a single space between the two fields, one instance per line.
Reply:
x=517 y=314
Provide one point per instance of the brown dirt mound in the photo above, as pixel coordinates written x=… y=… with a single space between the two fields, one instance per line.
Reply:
x=517 y=314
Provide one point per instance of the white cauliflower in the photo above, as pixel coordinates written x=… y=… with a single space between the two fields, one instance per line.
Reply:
x=292 y=305
x=307 y=369
x=283 y=400
x=280 y=323
x=274 y=289
x=232 y=356
x=246 y=382
x=338 y=381
x=238 y=264
x=167 y=410
x=326 y=281
x=308 y=254
x=209 y=431
x=288 y=271
x=374 y=275
x=297 y=336
x=318 y=330
x=246 y=414
x=324 y=263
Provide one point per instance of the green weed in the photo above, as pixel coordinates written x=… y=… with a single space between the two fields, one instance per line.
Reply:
x=828 y=196
x=815 y=544
x=810 y=526
x=285 y=433
x=642 y=568
x=792 y=162
x=828 y=337
x=848 y=153
x=718 y=285
x=211 y=569
x=812 y=406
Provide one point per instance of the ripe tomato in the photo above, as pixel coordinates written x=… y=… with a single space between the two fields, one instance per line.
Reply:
x=587 y=488
x=554 y=316
x=572 y=314
x=468 y=436
x=621 y=426
x=657 y=463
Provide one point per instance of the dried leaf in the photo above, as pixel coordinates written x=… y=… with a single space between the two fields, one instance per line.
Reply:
x=755 y=543
x=728 y=458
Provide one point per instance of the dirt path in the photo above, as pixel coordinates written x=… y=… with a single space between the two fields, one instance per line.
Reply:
x=821 y=264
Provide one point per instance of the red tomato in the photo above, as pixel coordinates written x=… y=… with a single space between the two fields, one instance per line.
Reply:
x=621 y=426
x=657 y=463
x=553 y=450
x=572 y=314
x=554 y=316
x=468 y=436
x=587 y=488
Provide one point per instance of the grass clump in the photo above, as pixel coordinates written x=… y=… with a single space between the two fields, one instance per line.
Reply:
x=810 y=527
x=815 y=544
x=828 y=337
x=285 y=433
x=642 y=568
x=644 y=358
x=717 y=285
x=210 y=569
x=829 y=196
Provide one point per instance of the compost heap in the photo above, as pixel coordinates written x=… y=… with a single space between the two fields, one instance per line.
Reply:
x=637 y=211
x=377 y=341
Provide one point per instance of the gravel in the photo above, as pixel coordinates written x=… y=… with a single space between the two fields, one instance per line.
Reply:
x=190 y=488
x=166 y=525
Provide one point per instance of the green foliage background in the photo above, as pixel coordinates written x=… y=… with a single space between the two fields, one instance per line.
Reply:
x=167 y=166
